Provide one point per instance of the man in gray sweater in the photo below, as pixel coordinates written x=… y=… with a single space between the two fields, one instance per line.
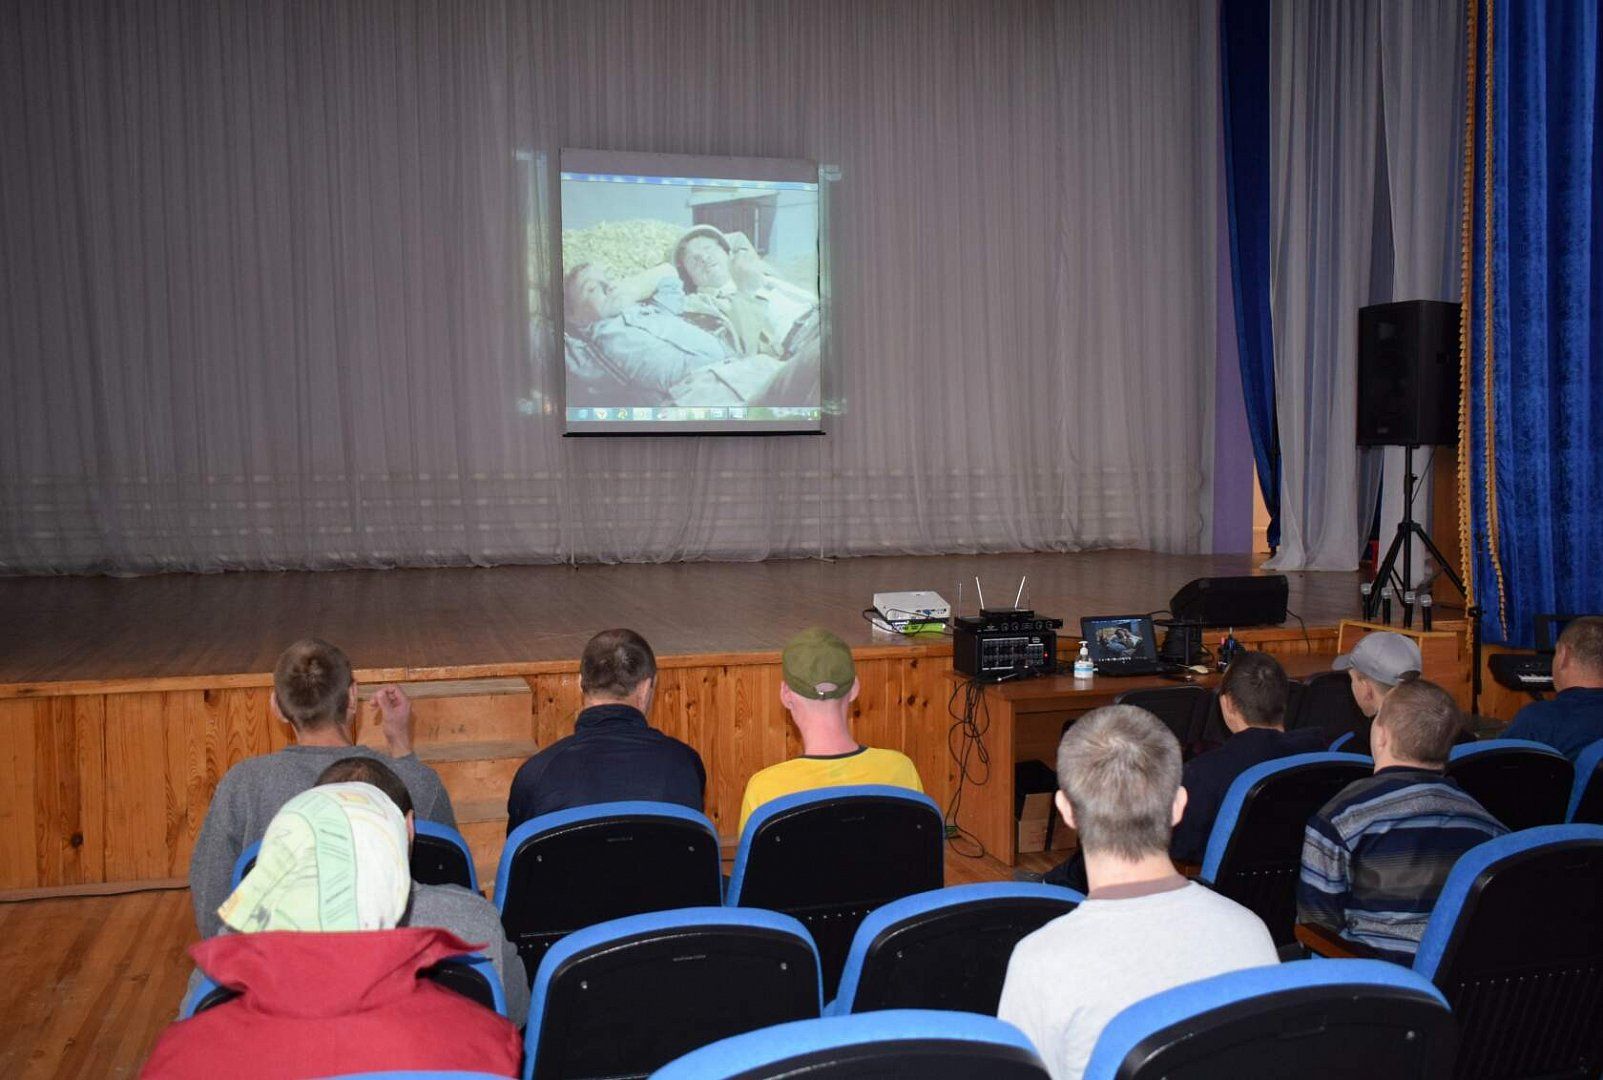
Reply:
x=1142 y=928
x=315 y=693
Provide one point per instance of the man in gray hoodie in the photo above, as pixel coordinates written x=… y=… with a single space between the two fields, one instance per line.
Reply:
x=315 y=693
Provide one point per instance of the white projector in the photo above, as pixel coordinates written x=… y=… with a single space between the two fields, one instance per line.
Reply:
x=912 y=611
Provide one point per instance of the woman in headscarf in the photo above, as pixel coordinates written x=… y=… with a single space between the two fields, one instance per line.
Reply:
x=325 y=982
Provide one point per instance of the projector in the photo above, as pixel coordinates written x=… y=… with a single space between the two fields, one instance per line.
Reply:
x=912 y=612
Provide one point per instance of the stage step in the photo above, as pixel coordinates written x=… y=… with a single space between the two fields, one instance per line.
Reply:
x=458 y=710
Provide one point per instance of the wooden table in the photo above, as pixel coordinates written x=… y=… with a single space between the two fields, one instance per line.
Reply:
x=1024 y=720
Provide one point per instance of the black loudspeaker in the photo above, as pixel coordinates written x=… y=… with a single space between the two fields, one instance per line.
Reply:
x=1408 y=374
x=1232 y=601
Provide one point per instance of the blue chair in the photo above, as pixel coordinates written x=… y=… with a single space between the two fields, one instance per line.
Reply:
x=1327 y=703
x=1586 y=796
x=1515 y=943
x=440 y=856
x=563 y=871
x=1311 y=1019
x=831 y=855
x=242 y=865
x=1521 y=783
x=471 y=975
x=1340 y=743
x=909 y=1043
x=1254 y=852
x=945 y=949
x=625 y=997
x=1183 y=710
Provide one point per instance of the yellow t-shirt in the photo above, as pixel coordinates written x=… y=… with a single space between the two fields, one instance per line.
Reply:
x=865 y=765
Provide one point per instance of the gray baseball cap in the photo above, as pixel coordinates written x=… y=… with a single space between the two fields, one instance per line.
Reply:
x=1385 y=657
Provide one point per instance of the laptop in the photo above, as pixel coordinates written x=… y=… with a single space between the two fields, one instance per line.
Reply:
x=1123 y=645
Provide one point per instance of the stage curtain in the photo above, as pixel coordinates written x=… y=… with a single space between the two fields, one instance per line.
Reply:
x=1365 y=144
x=1536 y=381
x=275 y=278
x=1422 y=102
x=1244 y=60
x=1325 y=94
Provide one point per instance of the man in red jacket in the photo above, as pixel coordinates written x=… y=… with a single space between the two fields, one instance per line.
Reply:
x=326 y=985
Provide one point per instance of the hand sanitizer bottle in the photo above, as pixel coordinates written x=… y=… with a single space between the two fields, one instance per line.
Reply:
x=1083 y=668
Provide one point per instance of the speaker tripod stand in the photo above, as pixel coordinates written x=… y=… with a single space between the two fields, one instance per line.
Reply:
x=1407 y=530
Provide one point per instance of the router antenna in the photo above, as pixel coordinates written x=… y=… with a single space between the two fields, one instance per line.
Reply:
x=979 y=590
x=959 y=596
x=1022 y=579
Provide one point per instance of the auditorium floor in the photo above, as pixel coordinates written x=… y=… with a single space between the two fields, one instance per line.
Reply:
x=87 y=983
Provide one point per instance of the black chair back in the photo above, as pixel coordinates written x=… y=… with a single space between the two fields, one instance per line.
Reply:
x=624 y=998
x=564 y=871
x=438 y=861
x=1327 y=703
x=1586 y=798
x=829 y=857
x=946 y=950
x=1181 y=708
x=1521 y=786
x=1314 y=1019
x=1516 y=945
x=1254 y=853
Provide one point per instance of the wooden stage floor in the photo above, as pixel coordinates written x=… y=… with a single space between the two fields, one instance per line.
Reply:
x=517 y=619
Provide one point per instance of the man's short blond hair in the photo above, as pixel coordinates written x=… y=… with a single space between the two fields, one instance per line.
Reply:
x=1424 y=722
x=1119 y=767
x=1583 y=639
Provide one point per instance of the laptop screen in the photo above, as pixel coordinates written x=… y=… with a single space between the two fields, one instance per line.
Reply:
x=1119 y=639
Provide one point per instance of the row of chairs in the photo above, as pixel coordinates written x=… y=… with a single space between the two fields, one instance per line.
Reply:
x=830 y=857
x=826 y=857
x=1339 y=1018
x=1510 y=971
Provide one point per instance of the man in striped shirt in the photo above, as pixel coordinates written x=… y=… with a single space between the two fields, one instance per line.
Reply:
x=1375 y=857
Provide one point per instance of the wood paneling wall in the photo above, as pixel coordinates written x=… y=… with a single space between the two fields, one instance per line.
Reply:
x=110 y=789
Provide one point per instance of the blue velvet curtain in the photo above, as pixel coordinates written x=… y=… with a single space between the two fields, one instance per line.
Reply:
x=1244 y=74
x=1536 y=386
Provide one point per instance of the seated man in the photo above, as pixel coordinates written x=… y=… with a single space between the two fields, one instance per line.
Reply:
x=1375 y=857
x=1252 y=699
x=1143 y=928
x=613 y=754
x=450 y=907
x=314 y=693
x=1376 y=664
x=818 y=688
x=326 y=984
x=1573 y=718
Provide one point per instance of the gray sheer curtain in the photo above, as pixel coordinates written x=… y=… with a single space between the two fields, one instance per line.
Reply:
x=1422 y=90
x=271 y=272
x=1353 y=80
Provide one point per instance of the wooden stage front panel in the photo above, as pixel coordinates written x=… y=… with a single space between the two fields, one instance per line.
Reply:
x=128 y=700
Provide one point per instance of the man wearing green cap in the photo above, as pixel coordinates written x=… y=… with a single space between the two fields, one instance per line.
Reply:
x=820 y=684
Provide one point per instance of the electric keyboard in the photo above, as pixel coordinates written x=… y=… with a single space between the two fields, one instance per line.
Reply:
x=1522 y=671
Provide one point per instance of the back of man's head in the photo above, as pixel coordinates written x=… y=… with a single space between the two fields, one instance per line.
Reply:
x=1256 y=685
x=312 y=684
x=366 y=770
x=1582 y=641
x=1422 y=720
x=1119 y=767
x=614 y=664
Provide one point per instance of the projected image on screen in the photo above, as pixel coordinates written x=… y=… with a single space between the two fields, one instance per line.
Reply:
x=690 y=294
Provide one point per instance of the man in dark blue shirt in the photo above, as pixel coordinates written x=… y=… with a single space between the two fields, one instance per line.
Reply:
x=1252 y=700
x=613 y=754
x=1573 y=718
